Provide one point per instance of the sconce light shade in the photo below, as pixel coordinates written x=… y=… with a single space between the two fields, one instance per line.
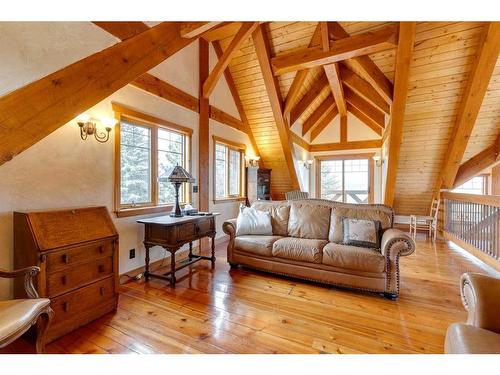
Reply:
x=378 y=161
x=253 y=161
x=307 y=163
x=88 y=126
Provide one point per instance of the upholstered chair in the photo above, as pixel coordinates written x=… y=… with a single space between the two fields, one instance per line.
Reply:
x=18 y=315
x=481 y=332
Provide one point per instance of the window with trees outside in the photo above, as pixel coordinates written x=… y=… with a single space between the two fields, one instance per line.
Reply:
x=345 y=178
x=228 y=170
x=476 y=185
x=148 y=148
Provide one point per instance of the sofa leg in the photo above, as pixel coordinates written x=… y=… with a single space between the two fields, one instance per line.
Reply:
x=391 y=296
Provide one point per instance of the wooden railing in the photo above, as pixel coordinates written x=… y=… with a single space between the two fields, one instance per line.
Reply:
x=336 y=195
x=473 y=221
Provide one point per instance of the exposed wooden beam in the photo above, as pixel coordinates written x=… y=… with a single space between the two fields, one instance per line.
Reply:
x=203 y=132
x=404 y=58
x=326 y=106
x=222 y=31
x=323 y=123
x=364 y=119
x=300 y=77
x=237 y=101
x=61 y=96
x=225 y=118
x=477 y=163
x=363 y=88
x=123 y=30
x=370 y=71
x=273 y=91
x=194 y=29
x=317 y=87
x=299 y=141
x=243 y=34
x=343 y=129
x=376 y=116
x=342 y=49
x=479 y=78
x=332 y=72
x=354 y=145
x=156 y=86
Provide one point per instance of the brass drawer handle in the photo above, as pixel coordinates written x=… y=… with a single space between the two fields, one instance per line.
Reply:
x=65 y=258
x=101 y=268
x=66 y=306
x=63 y=280
x=101 y=290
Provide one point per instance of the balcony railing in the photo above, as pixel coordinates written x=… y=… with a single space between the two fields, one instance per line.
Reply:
x=353 y=196
x=473 y=220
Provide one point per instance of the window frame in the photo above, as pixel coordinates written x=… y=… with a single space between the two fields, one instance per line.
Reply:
x=154 y=124
x=239 y=147
x=484 y=177
x=343 y=157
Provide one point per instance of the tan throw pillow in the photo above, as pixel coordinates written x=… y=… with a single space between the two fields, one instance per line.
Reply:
x=279 y=216
x=309 y=221
x=363 y=233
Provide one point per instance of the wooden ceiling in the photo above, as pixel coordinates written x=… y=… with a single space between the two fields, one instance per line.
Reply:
x=418 y=86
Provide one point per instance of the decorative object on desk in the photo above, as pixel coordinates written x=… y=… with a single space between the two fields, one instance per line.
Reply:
x=88 y=126
x=178 y=176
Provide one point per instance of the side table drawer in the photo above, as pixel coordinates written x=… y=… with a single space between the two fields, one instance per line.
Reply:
x=195 y=230
x=66 y=280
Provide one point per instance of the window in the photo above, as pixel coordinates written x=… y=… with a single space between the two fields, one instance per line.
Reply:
x=148 y=148
x=476 y=185
x=228 y=170
x=345 y=179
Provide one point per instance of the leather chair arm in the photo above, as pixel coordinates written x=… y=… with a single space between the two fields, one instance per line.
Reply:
x=29 y=273
x=229 y=227
x=396 y=243
x=481 y=299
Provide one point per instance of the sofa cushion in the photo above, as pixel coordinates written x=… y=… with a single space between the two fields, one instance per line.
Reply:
x=467 y=339
x=301 y=249
x=279 y=215
x=310 y=221
x=353 y=258
x=361 y=232
x=336 y=232
x=255 y=244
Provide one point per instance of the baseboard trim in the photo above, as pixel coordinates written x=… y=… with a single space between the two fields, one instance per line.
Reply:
x=179 y=256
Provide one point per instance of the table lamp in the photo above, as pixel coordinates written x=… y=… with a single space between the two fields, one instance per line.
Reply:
x=178 y=176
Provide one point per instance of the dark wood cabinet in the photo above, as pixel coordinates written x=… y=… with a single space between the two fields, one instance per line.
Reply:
x=77 y=252
x=264 y=184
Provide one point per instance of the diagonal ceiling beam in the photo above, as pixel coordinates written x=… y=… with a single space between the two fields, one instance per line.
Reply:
x=477 y=163
x=326 y=106
x=364 y=64
x=300 y=77
x=364 y=119
x=317 y=87
x=123 y=30
x=195 y=29
x=273 y=91
x=241 y=36
x=332 y=72
x=404 y=58
x=472 y=99
x=376 y=116
x=363 y=88
x=343 y=49
x=222 y=31
x=61 y=96
x=323 y=123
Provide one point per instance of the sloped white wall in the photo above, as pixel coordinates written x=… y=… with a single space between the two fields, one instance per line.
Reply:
x=62 y=170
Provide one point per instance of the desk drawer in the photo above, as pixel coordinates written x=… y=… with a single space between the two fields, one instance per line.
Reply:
x=67 y=258
x=195 y=230
x=70 y=305
x=68 y=279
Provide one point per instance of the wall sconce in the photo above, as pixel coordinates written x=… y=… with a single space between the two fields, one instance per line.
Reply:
x=88 y=126
x=307 y=164
x=253 y=161
x=378 y=161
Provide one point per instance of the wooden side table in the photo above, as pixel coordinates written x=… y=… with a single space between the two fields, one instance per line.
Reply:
x=172 y=233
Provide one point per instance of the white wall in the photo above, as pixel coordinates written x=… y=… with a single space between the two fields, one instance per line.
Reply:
x=62 y=170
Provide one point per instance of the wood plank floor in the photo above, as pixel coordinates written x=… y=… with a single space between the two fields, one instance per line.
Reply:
x=242 y=311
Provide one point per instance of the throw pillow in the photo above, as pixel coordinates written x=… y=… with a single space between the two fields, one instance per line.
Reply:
x=252 y=221
x=360 y=232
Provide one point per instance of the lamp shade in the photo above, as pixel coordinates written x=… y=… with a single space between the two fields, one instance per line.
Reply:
x=179 y=174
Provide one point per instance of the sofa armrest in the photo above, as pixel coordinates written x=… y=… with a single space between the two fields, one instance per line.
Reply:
x=481 y=298
x=229 y=227
x=396 y=243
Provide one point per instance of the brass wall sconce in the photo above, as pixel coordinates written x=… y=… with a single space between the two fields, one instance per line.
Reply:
x=88 y=126
x=307 y=164
x=253 y=161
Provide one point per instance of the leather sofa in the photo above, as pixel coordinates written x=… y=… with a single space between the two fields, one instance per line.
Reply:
x=481 y=333
x=307 y=243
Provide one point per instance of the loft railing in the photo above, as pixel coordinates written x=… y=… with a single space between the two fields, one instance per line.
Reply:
x=474 y=220
x=358 y=196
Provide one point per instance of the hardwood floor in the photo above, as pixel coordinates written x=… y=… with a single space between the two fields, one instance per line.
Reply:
x=242 y=311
